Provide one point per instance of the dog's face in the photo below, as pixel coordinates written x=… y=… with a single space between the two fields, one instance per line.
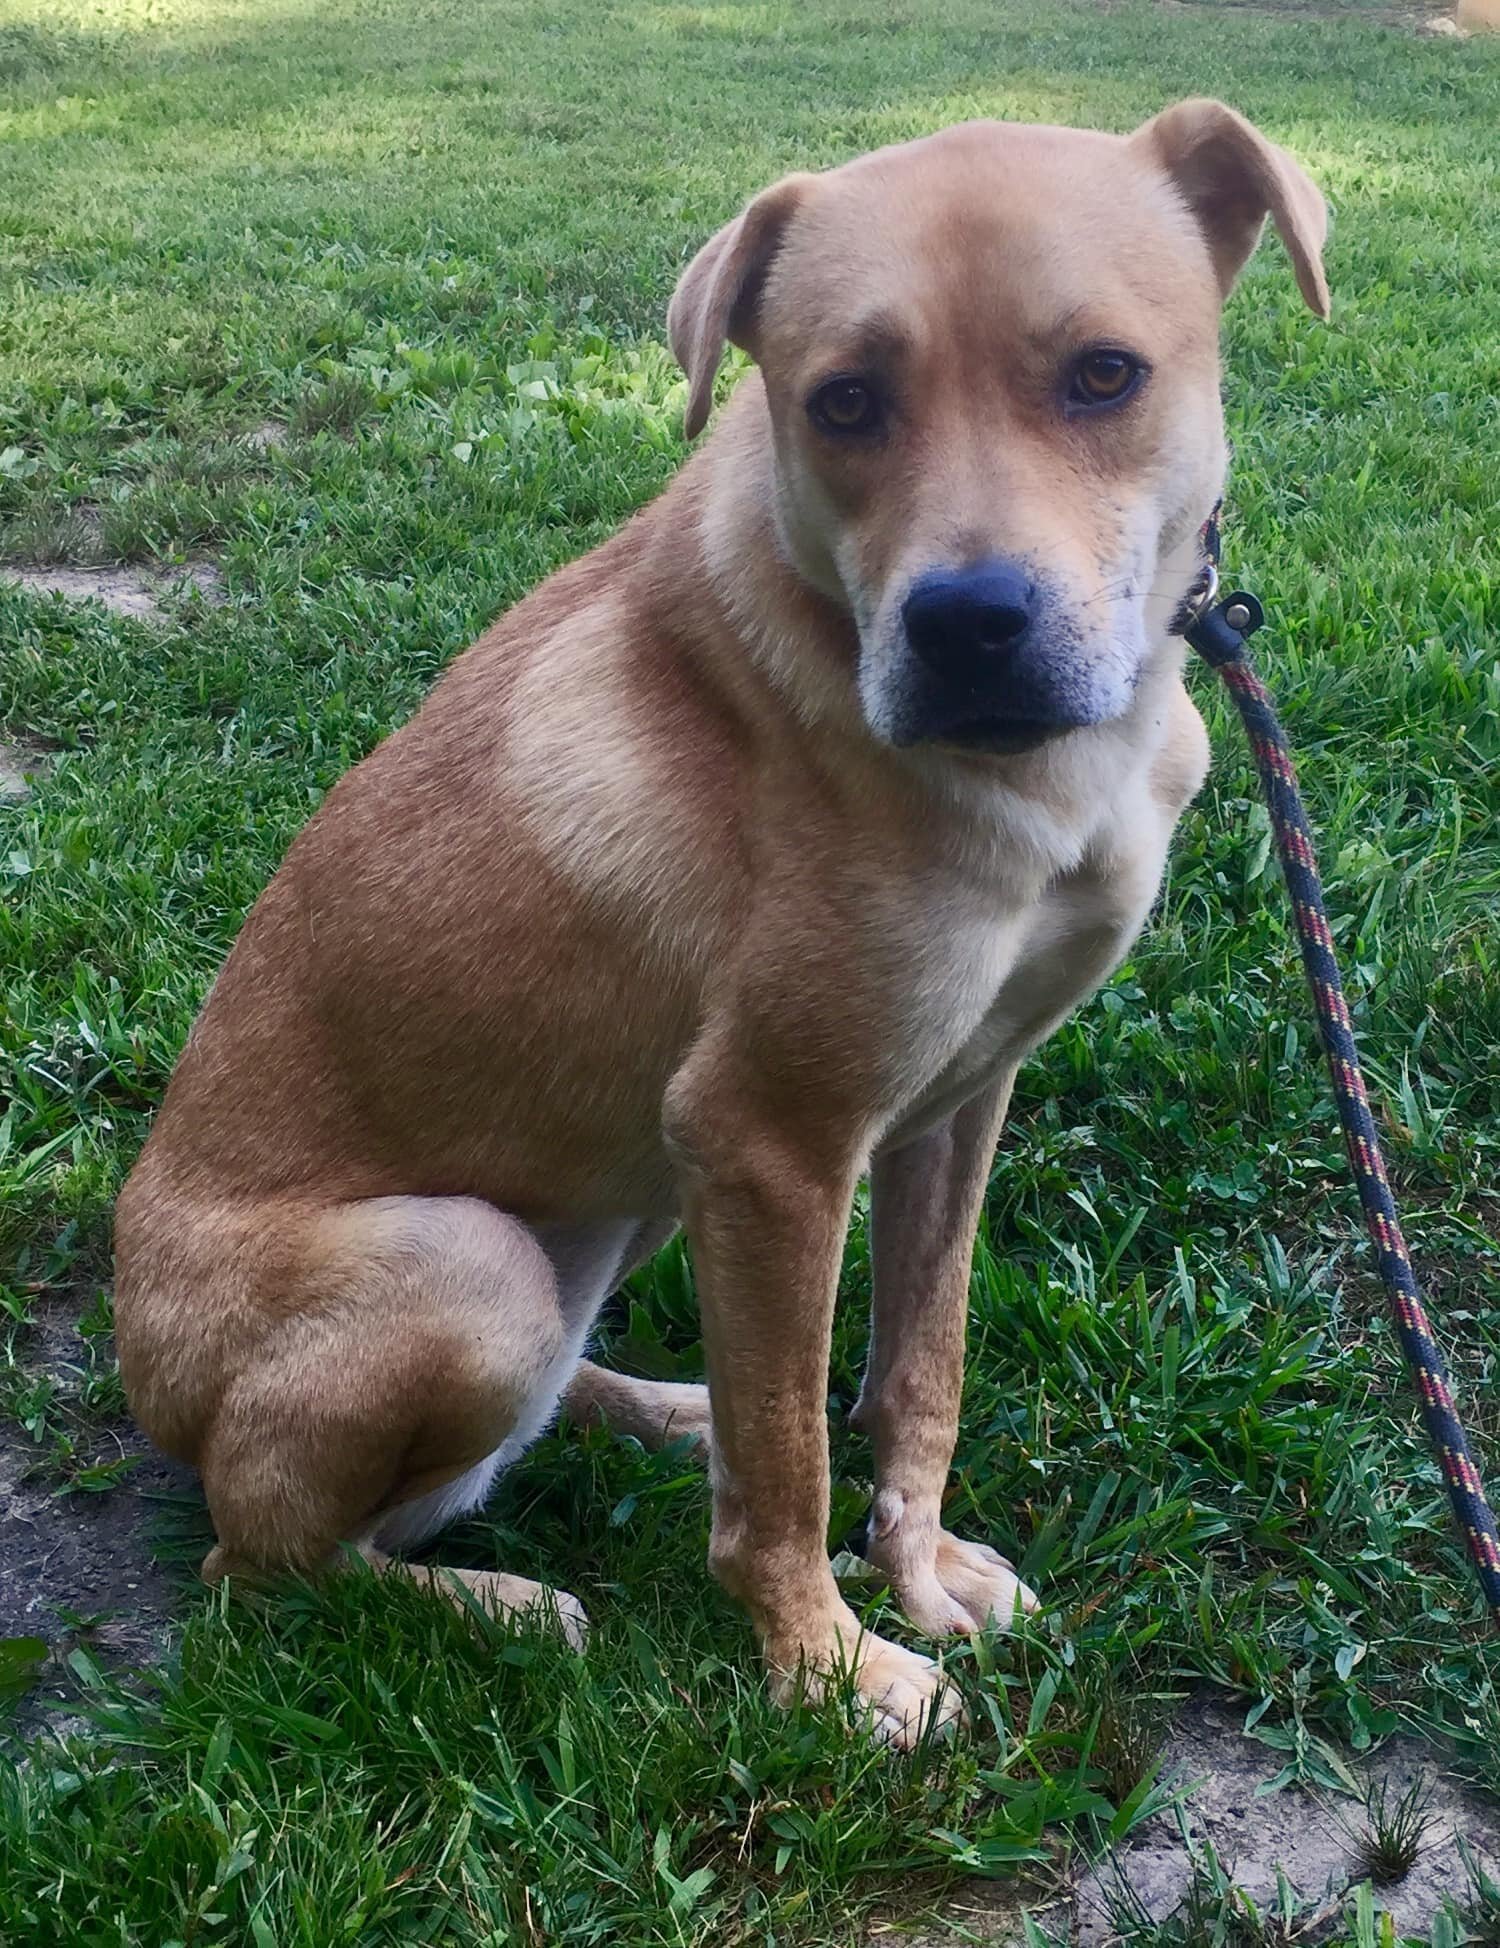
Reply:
x=991 y=364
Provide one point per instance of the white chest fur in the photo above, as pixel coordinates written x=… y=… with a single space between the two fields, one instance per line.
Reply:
x=1007 y=984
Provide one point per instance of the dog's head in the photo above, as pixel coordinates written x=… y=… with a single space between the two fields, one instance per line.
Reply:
x=991 y=366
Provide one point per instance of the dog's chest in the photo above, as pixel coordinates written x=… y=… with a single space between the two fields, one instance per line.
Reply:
x=993 y=987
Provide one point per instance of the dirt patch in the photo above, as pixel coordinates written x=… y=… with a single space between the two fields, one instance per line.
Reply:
x=984 y=1911
x=1313 y=1838
x=269 y=434
x=129 y=591
x=74 y=1555
x=21 y=764
x=1414 y=17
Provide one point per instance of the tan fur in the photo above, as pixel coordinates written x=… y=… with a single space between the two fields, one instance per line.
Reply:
x=645 y=918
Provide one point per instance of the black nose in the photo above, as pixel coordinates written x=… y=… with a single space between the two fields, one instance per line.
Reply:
x=961 y=622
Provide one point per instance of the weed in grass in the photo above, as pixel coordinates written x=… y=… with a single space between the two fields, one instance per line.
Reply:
x=79 y=1475
x=46 y=537
x=29 y=1399
x=1129 y=1726
x=336 y=406
x=167 y=516
x=221 y=463
x=1475 y=1913
x=1398 y=1830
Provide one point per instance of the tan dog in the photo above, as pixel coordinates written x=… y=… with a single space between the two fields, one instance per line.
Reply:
x=751 y=852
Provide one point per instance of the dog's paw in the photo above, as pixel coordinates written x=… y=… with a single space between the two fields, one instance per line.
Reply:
x=970 y=1587
x=899 y=1693
x=505 y=1596
x=947 y=1587
x=562 y=1612
x=905 y=1694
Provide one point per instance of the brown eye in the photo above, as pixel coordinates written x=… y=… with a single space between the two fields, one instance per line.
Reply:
x=845 y=406
x=1104 y=378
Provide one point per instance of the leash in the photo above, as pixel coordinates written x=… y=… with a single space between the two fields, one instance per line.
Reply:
x=1217 y=629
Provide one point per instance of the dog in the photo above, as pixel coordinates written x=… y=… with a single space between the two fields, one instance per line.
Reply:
x=751 y=853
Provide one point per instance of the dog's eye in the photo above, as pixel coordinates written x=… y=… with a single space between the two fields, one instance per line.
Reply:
x=845 y=406
x=1104 y=378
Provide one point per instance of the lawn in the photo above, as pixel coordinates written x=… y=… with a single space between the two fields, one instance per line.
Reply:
x=364 y=303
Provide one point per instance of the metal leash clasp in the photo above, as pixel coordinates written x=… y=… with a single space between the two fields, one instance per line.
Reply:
x=1203 y=594
x=1218 y=629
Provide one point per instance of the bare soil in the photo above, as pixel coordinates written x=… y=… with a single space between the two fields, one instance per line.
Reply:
x=128 y=590
x=78 y=1568
x=22 y=762
x=1314 y=1838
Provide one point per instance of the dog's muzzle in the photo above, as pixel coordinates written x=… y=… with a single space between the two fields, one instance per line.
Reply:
x=994 y=664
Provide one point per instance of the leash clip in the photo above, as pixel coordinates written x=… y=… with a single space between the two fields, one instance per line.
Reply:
x=1218 y=629
x=1202 y=594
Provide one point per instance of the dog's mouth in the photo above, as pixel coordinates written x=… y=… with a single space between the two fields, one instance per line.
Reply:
x=1002 y=736
x=986 y=733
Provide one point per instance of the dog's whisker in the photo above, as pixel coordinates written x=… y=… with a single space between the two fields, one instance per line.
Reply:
x=1124 y=591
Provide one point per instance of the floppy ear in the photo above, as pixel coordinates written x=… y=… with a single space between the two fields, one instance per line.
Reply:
x=716 y=296
x=1232 y=179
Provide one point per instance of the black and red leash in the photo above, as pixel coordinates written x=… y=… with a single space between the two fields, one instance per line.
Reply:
x=1217 y=628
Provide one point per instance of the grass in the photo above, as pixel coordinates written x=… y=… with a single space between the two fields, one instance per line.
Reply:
x=1398 y=1830
x=429 y=246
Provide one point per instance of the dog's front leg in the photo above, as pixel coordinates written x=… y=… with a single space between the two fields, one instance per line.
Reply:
x=766 y=1220
x=925 y=1200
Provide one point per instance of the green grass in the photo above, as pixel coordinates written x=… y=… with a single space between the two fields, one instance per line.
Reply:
x=433 y=244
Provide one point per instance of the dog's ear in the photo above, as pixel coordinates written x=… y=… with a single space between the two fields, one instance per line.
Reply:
x=716 y=295
x=1232 y=179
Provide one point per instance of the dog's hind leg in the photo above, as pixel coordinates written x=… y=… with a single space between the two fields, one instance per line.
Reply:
x=655 y=1412
x=425 y=1348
